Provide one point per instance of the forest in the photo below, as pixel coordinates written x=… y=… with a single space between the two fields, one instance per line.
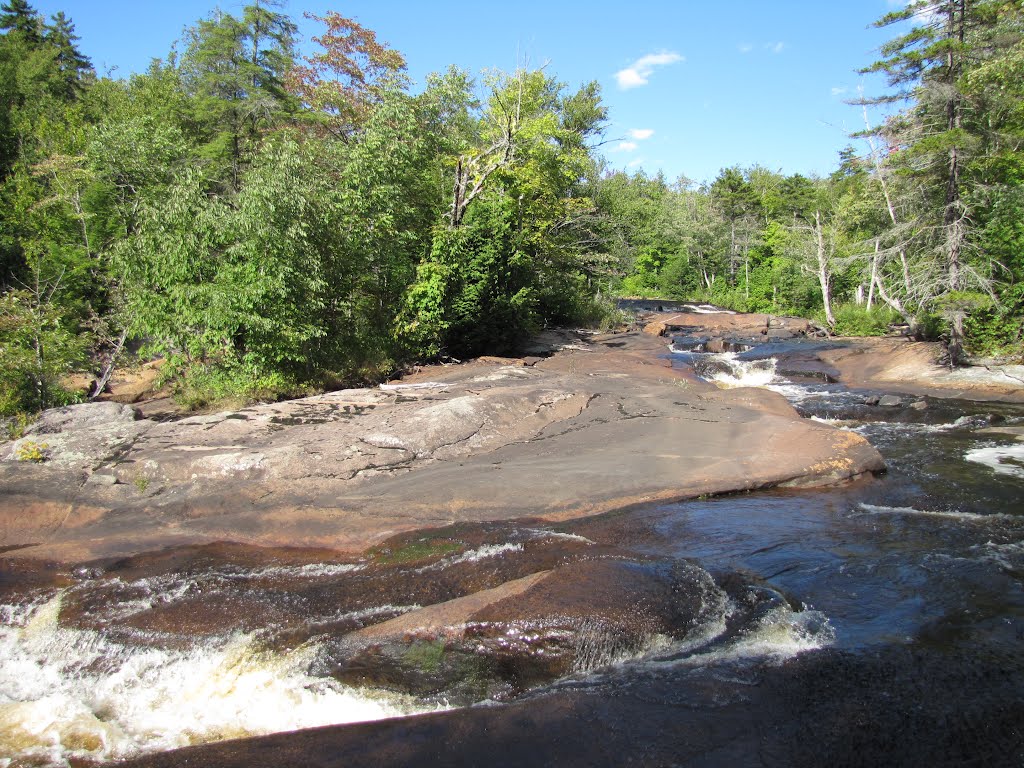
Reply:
x=271 y=220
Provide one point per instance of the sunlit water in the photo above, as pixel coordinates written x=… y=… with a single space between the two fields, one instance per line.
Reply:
x=930 y=554
x=77 y=694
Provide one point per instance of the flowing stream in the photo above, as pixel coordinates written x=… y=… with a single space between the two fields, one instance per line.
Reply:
x=148 y=654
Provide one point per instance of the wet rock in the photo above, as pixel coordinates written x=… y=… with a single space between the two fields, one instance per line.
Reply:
x=890 y=401
x=501 y=642
x=872 y=400
x=919 y=405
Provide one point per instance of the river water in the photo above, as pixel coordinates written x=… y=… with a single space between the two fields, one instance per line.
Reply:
x=124 y=658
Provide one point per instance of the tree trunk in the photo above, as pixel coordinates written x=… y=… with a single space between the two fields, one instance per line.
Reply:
x=108 y=370
x=824 y=278
x=874 y=272
x=953 y=216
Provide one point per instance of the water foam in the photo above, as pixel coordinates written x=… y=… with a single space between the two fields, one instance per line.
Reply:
x=69 y=694
x=473 y=555
x=1002 y=459
x=709 y=309
x=969 y=517
x=778 y=635
x=743 y=373
x=543 y=533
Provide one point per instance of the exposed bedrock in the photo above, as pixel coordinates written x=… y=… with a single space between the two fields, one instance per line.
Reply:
x=602 y=424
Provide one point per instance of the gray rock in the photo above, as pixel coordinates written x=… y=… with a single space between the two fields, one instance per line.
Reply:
x=81 y=437
x=919 y=405
x=101 y=479
x=890 y=401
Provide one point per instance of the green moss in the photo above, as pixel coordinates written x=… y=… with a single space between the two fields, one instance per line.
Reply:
x=425 y=655
x=423 y=548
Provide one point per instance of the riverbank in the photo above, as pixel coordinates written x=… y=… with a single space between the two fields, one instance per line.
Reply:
x=893 y=364
x=600 y=423
x=806 y=624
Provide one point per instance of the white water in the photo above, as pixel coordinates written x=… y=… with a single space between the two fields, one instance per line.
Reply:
x=709 y=309
x=967 y=517
x=1001 y=459
x=473 y=555
x=744 y=373
x=73 y=694
x=780 y=634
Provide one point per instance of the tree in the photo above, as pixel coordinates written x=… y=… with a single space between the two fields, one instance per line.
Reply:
x=817 y=234
x=235 y=69
x=19 y=17
x=739 y=203
x=510 y=255
x=71 y=63
x=349 y=75
x=936 y=149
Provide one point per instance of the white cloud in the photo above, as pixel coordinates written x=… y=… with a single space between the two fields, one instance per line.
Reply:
x=635 y=163
x=639 y=72
x=745 y=47
x=839 y=90
x=775 y=47
x=641 y=134
x=626 y=146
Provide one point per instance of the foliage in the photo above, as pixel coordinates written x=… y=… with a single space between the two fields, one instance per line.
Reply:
x=349 y=75
x=857 y=320
x=33 y=451
x=514 y=253
x=272 y=222
x=37 y=350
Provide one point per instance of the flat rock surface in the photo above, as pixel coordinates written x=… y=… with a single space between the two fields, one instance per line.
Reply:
x=602 y=424
x=912 y=367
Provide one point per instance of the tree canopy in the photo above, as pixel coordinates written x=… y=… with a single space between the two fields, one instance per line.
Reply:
x=270 y=220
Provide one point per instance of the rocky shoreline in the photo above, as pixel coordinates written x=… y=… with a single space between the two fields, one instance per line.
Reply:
x=602 y=423
x=478 y=532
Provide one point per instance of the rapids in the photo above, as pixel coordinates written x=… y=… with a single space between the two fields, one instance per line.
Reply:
x=114 y=660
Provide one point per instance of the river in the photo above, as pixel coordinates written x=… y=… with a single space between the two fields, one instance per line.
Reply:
x=897 y=600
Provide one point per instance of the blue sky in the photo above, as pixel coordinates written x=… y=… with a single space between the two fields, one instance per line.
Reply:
x=691 y=87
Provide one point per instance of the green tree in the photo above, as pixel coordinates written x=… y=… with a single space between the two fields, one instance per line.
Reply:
x=941 y=149
x=511 y=255
x=235 y=70
x=74 y=67
x=22 y=19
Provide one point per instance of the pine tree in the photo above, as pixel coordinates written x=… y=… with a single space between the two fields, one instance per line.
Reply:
x=73 y=65
x=21 y=18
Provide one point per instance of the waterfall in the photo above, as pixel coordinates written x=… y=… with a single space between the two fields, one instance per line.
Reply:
x=727 y=370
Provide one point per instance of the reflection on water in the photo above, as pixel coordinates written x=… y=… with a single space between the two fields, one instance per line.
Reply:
x=179 y=649
x=932 y=550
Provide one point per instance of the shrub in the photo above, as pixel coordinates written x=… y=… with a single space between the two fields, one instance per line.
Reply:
x=857 y=320
x=37 y=349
